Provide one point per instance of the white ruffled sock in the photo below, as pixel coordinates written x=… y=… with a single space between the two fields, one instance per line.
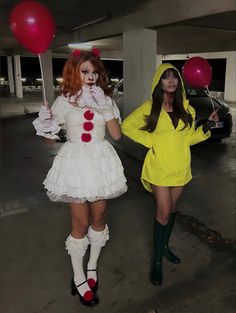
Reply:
x=97 y=241
x=77 y=248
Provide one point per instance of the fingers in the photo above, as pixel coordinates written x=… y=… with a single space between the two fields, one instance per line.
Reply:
x=214 y=117
x=96 y=89
x=98 y=94
x=45 y=113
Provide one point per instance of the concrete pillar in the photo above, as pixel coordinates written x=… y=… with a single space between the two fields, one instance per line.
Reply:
x=158 y=60
x=10 y=75
x=18 y=82
x=139 y=53
x=230 y=77
x=48 y=76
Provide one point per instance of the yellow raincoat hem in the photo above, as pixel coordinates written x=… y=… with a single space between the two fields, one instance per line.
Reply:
x=147 y=183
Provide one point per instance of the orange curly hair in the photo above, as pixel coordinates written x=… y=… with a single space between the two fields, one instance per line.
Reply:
x=71 y=82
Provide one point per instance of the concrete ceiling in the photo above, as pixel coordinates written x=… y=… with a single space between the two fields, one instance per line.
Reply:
x=213 y=32
x=68 y=15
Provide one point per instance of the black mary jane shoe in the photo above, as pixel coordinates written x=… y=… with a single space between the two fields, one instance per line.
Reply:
x=94 y=288
x=170 y=256
x=74 y=291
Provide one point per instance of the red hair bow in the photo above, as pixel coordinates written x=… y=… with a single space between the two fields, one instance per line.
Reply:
x=96 y=52
x=76 y=52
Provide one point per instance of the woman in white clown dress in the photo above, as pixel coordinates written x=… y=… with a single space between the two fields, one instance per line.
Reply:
x=86 y=171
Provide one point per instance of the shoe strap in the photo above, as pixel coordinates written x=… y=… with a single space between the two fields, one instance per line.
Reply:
x=92 y=270
x=81 y=283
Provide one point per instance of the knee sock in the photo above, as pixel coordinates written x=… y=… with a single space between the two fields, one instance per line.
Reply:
x=77 y=248
x=97 y=240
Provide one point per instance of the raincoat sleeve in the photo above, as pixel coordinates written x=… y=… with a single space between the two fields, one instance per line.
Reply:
x=132 y=124
x=196 y=135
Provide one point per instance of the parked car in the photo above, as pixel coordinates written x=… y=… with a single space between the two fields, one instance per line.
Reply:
x=201 y=101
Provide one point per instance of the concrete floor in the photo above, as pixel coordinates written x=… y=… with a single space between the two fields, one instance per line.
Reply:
x=35 y=270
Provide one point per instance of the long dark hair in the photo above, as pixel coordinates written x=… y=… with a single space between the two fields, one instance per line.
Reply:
x=157 y=100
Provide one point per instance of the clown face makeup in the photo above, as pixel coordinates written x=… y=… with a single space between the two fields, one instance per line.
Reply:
x=88 y=74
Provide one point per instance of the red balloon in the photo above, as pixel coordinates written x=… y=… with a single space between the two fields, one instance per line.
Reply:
x=32 y=25
x=197 y=72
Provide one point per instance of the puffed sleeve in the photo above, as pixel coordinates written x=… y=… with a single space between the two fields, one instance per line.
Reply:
x=109 y=110
x=59 y=109
x=196 y=135
x=136 y=120
x=51 y=129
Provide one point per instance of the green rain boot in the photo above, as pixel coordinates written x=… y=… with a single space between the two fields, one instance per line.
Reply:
x=168 y=254
x=158 y=247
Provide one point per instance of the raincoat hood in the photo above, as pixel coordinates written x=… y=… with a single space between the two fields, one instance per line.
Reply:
x=160 y=70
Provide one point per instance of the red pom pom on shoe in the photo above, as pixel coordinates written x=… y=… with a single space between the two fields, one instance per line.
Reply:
x=88 y=295
x=91 y=283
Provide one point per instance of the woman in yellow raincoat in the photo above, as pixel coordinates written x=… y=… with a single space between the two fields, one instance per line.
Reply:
x=165 y=125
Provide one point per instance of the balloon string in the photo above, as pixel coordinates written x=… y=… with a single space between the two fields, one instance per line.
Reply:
x=43 y=84
x=212 y=103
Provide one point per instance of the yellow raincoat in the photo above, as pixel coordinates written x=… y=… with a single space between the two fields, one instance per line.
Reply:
x=168 y=160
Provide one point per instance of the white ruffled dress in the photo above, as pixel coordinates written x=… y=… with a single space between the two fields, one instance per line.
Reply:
x=87 y=167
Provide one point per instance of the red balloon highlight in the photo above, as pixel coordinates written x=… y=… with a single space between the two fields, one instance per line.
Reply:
x=32 y=25
x=197 y=72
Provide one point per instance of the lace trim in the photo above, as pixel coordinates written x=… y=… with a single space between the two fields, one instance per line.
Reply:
x=55 y=197
x=98 y=238
x=76 y=246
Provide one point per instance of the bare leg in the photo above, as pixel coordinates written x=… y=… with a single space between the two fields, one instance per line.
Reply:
x=79 y=219
x=98 y=210
x=163 y=203
x=175 y=196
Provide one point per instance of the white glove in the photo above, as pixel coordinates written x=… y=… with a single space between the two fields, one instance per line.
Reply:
x=98 y=94
x=45 y=115
x=86 y=98
x=45 y=124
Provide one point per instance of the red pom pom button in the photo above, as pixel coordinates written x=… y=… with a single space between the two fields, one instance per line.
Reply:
x=88 y=126
x=86 y=137
x=88 y=115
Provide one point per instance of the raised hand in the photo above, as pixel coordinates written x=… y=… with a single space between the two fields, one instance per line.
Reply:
x=214 y=116
x=86 y=97
x=45 y=124
x=212 y=119
x=45 y=113
x=98 y=94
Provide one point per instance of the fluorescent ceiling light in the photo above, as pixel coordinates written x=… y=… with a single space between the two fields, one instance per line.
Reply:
x=89 y=23
x=79 y=46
